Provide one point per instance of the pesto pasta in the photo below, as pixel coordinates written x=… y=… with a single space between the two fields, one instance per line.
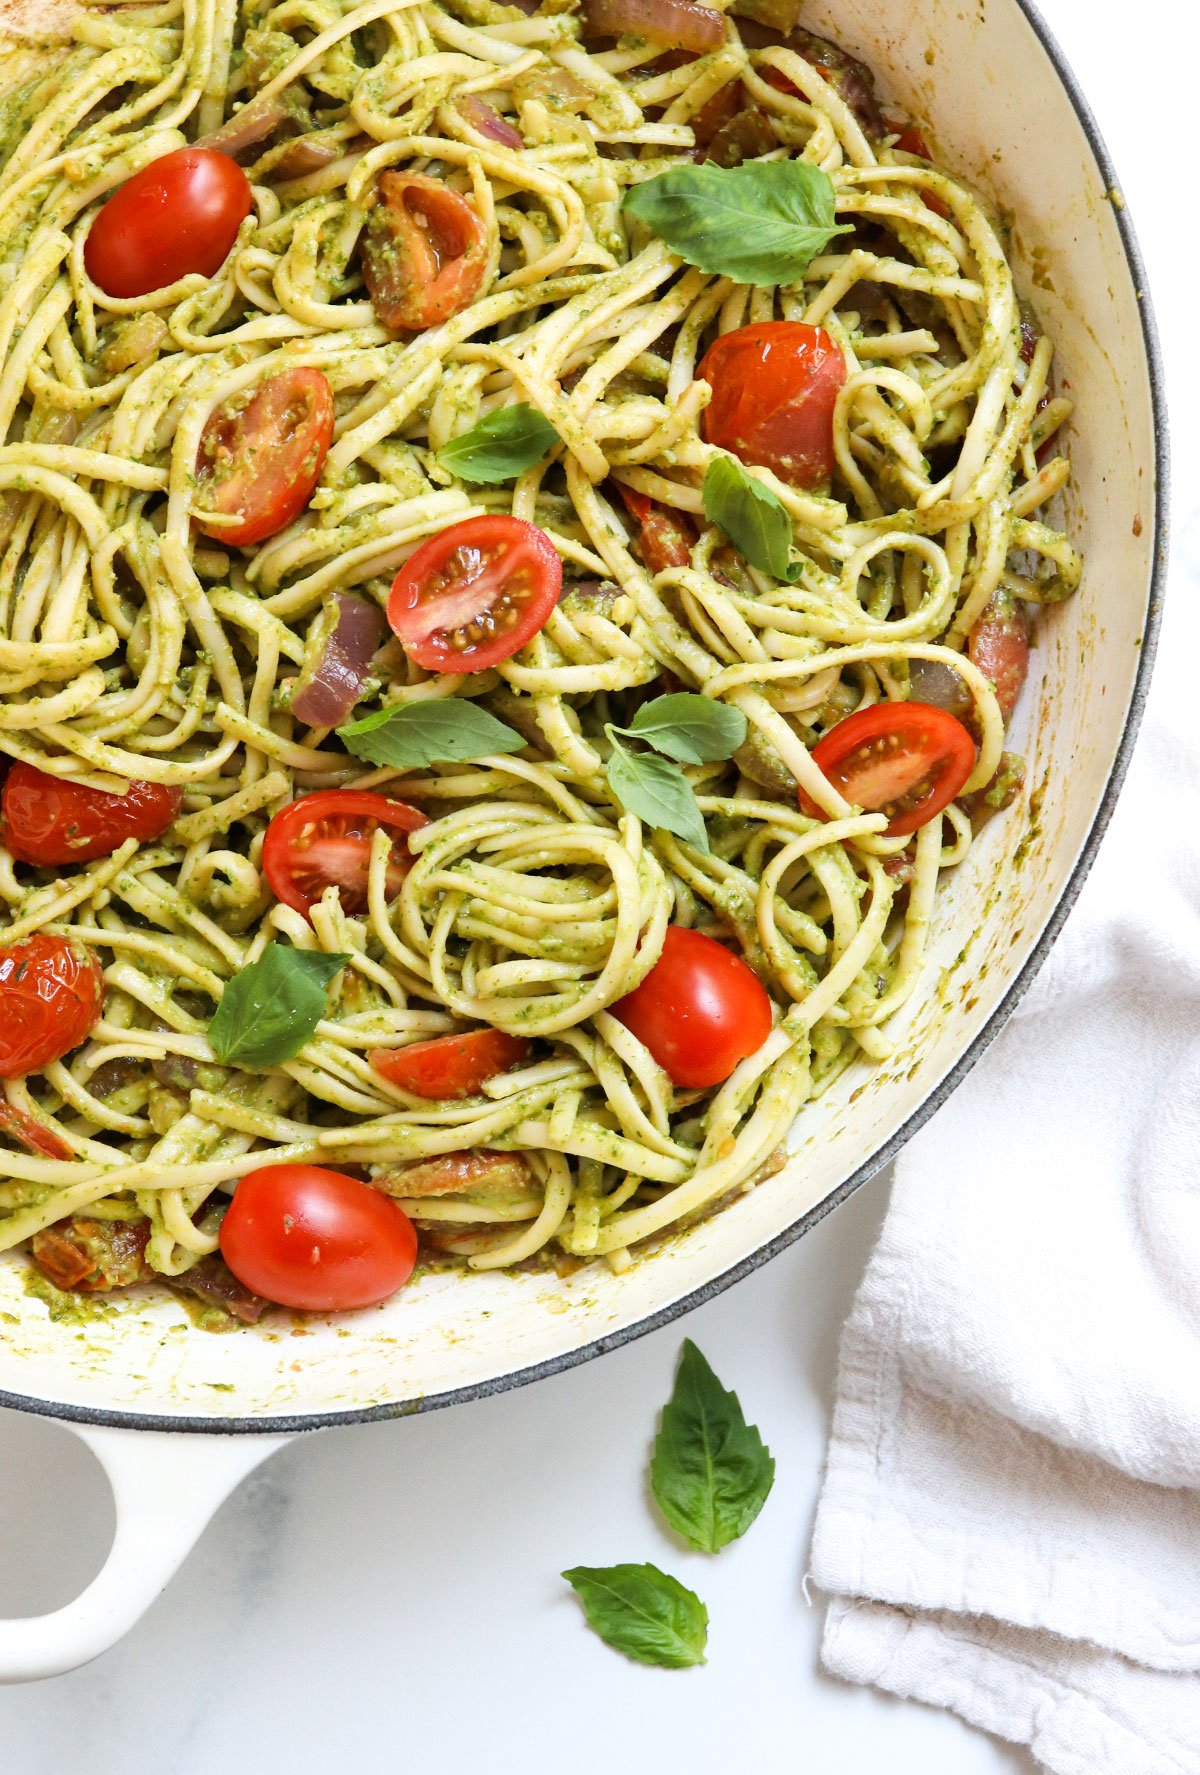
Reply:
x=145 y=639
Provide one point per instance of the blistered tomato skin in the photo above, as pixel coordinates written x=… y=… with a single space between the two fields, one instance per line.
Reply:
x=51 y=997
x=424 y=254
x=259 y=462
x=316 y=1240
x=700 y=1010
x=179 y=215
x=48 y=821
x=775 y=386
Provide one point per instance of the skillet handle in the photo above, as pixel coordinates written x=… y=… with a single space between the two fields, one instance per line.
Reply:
x=166 y=1487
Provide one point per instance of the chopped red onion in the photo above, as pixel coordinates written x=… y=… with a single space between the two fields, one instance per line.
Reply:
x=246 y=127
x=488 y=122
x=325 y=697
x=676 y=23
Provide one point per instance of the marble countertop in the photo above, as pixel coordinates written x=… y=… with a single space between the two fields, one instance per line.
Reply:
x=388 y=1597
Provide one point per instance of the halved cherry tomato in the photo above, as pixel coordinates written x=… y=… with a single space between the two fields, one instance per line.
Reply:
x=424 y=253
x=324 y=840
x=999 y=646
x=664 y=537
x=179 y=214
x=261 y=455
x=474 y=594
x=45 y=820
x=774 y=387
x=909 y=140
x=315 y=1239
x=907 y=760
x=451 y=1065
x=51 y=996
x=699 y=1010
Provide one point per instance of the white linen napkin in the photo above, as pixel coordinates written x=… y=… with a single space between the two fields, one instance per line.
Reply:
x=1010 y=1521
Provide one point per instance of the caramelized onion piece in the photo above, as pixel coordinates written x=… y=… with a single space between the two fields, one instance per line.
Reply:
x=676 y=23
x=488 y=122
x=252 y=124
x=940 y=685
x=326 y=696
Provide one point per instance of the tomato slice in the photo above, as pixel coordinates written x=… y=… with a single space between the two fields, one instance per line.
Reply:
x=774 y=387
x=178 y=215
x=316 y=1240
x=451 y=1065
x=261 y=455
x=51 y=996
x=700 y=1010
x=999 y=646
x=909 y=140
x=47 y=821
x=906 y=760
x=324 y=840
x=35 y=1136
x=424 y=253
x=664 y=537
x=475 y=594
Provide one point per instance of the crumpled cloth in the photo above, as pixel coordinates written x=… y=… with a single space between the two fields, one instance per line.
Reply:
x=1010 y=1520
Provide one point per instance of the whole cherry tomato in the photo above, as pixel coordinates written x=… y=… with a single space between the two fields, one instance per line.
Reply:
x=178 y=215
x=774 y=387
x=48 y=821
x=316 y=1240
x=51 y=997
x=700 y=1009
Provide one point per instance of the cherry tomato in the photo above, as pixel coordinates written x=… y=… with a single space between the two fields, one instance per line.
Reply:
x=909 y=140
x=51 y=996
x=324 y=840
x=424 y=254
x=699 y=1010
x=260 y=458
x=46 y=820
x=999 y=646
x=474 y=594
x=907 y=760
x=179 y=214
x=315 y=1239
x=31 y=1133
x=774 y=387
x=452 y=1065
x=664 y=537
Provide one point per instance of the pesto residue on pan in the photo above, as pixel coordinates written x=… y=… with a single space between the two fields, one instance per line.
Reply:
x=795 y=592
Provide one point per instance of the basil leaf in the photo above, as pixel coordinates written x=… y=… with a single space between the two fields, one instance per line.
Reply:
x=503 y=445
x=657 y=792
x=642 y=1612
x=692 y=729
x=710 y=1471
x=760 y=223
x=751 y=517
x=269 y=1010
x=449 y=731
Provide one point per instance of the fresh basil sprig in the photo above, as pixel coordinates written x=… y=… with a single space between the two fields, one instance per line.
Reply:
x=710 y=1472
x=268 y=1010
x=759 y=223
x=751 y=517
x=501 y=446
x=451 y=730
x=691 y=729
x=643 y=1612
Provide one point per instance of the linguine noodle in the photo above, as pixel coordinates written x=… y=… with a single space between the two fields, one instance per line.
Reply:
x=133 y=648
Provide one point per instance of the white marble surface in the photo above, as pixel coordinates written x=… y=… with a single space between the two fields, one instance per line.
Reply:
x=388 y=1597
